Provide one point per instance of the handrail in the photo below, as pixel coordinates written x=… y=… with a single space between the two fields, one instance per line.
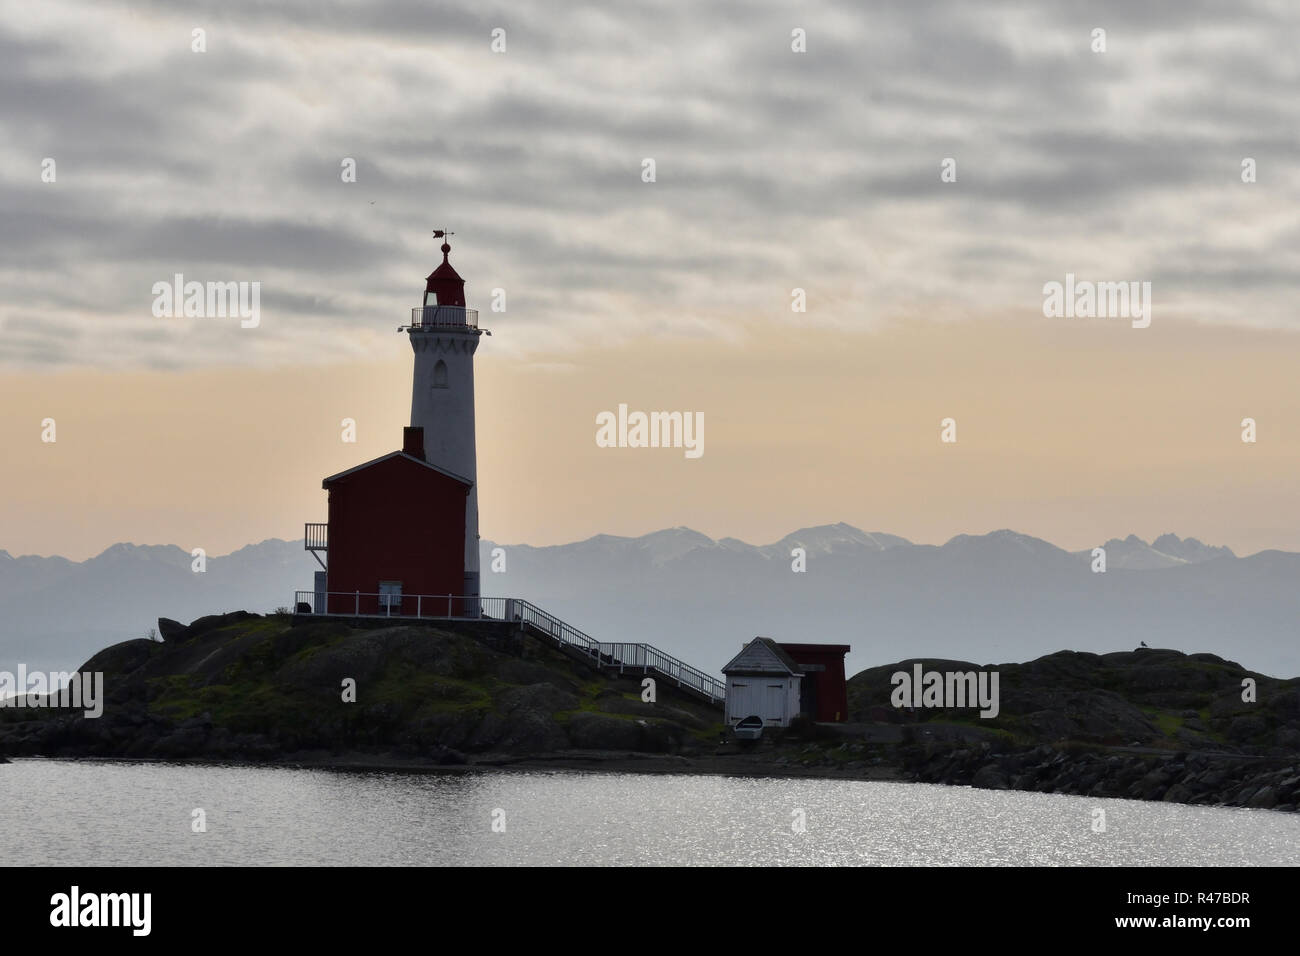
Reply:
x=629 y=654
x=399 y=605
x=461 y=607
x=443 y=316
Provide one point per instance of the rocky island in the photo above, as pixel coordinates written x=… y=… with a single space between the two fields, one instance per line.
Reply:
x=1148 y=724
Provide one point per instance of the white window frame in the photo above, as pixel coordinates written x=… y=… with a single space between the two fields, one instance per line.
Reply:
x=388 y=591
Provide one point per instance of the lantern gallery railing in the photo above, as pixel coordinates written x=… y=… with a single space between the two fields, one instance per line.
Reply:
x=442 y=317
x=623 y=657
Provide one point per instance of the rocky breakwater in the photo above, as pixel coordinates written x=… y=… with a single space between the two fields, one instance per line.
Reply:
x=1195 y=778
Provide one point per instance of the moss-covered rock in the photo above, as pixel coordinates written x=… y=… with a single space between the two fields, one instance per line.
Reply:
x=241 y=685
x=1150 y=697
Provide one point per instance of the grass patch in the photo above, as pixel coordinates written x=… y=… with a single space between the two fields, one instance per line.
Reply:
x=1167 y=723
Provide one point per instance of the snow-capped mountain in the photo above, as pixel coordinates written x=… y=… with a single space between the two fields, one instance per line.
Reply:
x=1001 y=596
x=1167 y=551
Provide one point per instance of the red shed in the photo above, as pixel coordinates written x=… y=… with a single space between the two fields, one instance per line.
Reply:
x=824 y=693
x=396 y=530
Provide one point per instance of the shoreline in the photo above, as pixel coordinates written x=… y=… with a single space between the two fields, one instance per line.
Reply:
x=614 y=762
x=590 y=761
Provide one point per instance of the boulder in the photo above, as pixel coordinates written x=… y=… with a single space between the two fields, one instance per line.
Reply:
x=1265 y=798
x=989 y=777
x=525 y=721
x=446 y=756
x=122 y=658
x=1178 y=793
x=591 y=731
x=1153 y=785
x=1246 y=728
x=1288 y=738
x=172 y=632
x=214 y=622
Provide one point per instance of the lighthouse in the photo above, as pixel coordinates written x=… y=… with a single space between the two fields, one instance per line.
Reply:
x=402 y=535
x=444 y=336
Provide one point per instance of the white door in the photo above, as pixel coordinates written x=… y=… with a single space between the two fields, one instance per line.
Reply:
x=741 y=700
x=774 y=704
x=390 y=597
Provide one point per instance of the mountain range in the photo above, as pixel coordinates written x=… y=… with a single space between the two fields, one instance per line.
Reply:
x=997 y=597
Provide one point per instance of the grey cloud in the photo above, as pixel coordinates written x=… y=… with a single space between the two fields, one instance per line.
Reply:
x=226 y=165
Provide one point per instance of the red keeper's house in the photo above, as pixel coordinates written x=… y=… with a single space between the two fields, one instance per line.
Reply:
x=396 y=534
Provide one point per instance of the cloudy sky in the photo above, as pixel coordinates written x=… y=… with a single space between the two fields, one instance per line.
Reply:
x=774 y=170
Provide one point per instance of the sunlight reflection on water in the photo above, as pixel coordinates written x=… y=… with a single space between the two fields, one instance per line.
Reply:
x=94 y=812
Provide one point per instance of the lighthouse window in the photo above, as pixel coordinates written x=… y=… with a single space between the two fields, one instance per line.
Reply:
x=440 y=374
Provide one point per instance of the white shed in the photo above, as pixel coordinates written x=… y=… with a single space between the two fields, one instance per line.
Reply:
x=762 y=680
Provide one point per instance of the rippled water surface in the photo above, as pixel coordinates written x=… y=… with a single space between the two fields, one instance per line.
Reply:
x=92 y=812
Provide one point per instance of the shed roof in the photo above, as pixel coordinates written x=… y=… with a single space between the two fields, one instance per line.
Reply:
x=814 y=649
x=762 y=655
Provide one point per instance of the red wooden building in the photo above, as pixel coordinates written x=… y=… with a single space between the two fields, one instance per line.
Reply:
x=396 y=534
x=823 y=692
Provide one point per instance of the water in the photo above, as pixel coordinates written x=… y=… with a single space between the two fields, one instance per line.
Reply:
x=83 y=813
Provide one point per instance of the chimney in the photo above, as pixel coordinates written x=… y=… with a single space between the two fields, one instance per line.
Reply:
x=413 y=442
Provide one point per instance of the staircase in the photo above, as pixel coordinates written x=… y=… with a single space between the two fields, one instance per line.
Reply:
x=616 y=658
x=609 y=658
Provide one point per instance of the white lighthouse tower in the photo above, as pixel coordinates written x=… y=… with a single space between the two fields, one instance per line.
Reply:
x=444 y=336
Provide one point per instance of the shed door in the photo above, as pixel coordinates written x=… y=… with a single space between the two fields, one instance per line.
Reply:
x=774 y=703
x=741 y=700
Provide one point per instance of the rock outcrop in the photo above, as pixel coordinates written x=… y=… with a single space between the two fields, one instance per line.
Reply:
x=242 y=686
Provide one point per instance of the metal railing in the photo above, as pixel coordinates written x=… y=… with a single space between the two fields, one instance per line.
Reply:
x=453 y=607
x=443 y=316
x=385 y=604
x=622 y=656
x=315 y=537
x=648 y=657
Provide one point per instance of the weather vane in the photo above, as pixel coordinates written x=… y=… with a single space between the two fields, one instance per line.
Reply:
x=442 y=233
